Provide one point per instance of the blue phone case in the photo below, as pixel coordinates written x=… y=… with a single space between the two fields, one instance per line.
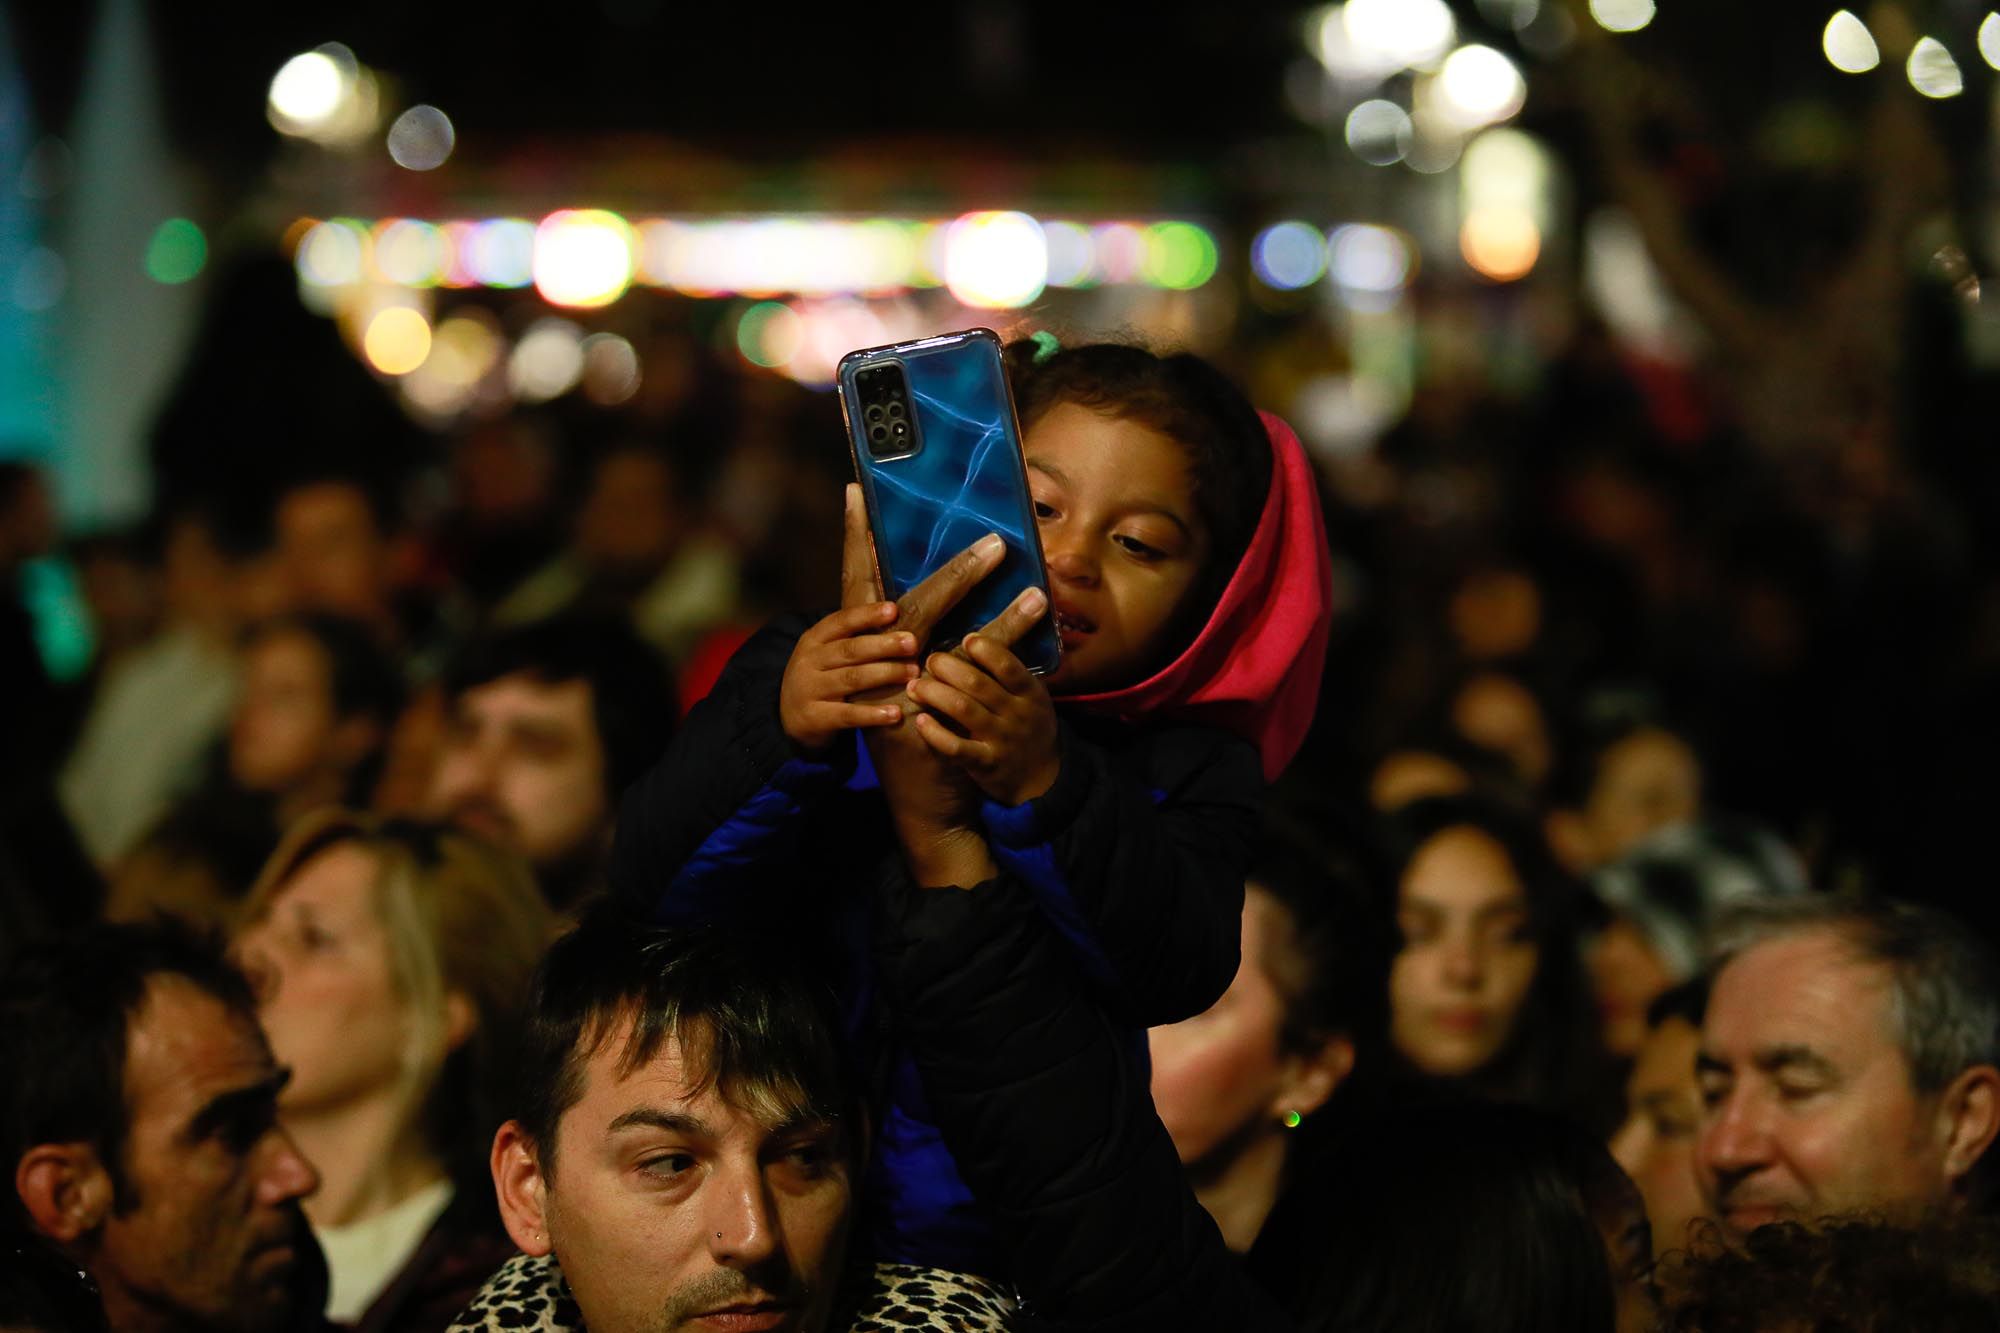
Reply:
x=964 y=480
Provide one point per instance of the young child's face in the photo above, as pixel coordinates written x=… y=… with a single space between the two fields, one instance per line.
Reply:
x=1123 y=540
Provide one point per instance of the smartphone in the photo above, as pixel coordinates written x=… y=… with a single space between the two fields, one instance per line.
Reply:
x=937 y=449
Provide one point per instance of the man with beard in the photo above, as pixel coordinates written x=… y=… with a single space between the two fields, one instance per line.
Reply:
x=140 y=1115
x=546 y=725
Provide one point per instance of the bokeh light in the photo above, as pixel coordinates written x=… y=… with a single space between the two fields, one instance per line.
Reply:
x=1288 y=255
x=583 y=257
x=1180 y=256
x=547 y=362
x=331 y=254
x=501 y=252
x=1932 y=71
x=996 y=260
x=1401 y=34
x=1072 y=257
x=1377 y=131
x=306 y=93
x=397 y=340
x=768 y=334
x=1500 y=242
x=1120 y=250
x=408 y=252
x=421 y=139
x=1622 y=15
x=1369 y=259
x=1849 y=46
x=177 y=252
x=610 y=369
x=1478 y=86
x=1989 y=39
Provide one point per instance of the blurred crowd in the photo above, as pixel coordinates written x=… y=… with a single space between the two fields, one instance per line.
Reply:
x=1634 y=743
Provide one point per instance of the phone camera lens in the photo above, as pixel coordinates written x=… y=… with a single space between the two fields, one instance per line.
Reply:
x=875 y=412
x=900 y=429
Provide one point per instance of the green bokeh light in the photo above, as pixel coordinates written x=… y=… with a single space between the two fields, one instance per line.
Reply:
x=1179 y=255
x=177 y=251
x=753 y=334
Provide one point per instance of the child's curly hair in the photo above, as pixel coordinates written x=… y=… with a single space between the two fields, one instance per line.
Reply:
x=1862 y=1275
x=1184 y=398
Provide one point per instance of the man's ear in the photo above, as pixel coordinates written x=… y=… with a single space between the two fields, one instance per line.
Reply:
x=1968 y=1119
x=520 y=1188
x=65 y=1189
x=1314 y=1077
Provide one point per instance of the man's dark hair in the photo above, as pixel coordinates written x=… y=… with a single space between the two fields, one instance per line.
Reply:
x=631 y=694
x=748 y=1012
x=66 y=1008
x=1333 y=970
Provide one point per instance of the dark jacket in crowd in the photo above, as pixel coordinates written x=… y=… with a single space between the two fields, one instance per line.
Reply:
x=1136 y=856
x=463 y=1248
x=1051 y=1121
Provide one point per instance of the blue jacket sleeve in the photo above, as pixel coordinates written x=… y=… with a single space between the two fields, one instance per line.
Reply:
x=1051 y=1124
x=726 y=799
x=1138 y=858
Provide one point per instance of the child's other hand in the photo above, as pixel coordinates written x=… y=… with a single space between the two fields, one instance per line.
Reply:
x=844 y=655
x=849 y=653
x=1008 y=746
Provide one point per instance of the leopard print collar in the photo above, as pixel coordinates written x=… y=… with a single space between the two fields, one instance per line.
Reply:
x=528 y=1295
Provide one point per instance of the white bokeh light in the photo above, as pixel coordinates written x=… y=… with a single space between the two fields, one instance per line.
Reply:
x=1849 y=46
x=1622 y=15
x=1932 y=71
x=1479 y=86
x=996 y=261
x=307 y=92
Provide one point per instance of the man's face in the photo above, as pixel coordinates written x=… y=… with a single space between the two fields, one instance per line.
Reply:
x=671 y=1208
x=281 y=734
x=1655 y=1145
x=1809 y=1110
x=333 y=556
x=209 y=1232
x=523 y=765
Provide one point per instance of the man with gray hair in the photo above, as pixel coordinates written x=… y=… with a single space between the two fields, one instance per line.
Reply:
x=1849 y=1063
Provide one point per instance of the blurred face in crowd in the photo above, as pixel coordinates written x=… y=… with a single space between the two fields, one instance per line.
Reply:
x=1808 y=1106
x=1655 y=1145
x=1404 y=776
x=523 y=765
x=284 y=733
x=1122 y=537
x=1469 y=954
x=327 y=993
x=671 y=1207
x=209 y=1232
x=631 y=520
x=1646 y=782
x=1227 y=1071
x=1626 y=976
x=1500 y=714
x=333 y=555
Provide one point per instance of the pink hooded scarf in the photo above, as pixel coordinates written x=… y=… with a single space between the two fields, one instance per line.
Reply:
x=1255 y=667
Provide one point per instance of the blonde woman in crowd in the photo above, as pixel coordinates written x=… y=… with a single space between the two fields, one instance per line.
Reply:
x=390 y=959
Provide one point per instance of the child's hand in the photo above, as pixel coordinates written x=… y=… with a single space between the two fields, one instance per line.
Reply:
x=1009 y=723
x=851 y=652
x=844 y=655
